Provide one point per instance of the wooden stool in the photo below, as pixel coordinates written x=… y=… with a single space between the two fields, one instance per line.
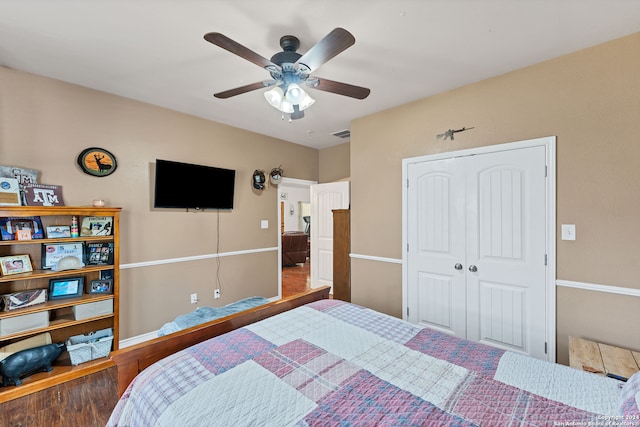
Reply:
x=603 y=359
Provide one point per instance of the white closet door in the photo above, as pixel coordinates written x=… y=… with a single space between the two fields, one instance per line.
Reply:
x=436 y=291
x=324 y=199
x=476 y=231
x=506 y=241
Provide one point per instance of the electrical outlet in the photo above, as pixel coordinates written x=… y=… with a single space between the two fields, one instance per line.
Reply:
x=216 y=294
x=194 y=298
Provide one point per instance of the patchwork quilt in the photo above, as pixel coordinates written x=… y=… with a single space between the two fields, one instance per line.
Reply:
x=332 y=363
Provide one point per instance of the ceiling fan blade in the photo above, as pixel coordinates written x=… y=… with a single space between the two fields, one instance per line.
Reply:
x=242 y=89
x=332 y=44
x=236 y=48
x=345 y=89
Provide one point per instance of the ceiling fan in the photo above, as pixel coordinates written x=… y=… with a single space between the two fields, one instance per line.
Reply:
x=290 y=70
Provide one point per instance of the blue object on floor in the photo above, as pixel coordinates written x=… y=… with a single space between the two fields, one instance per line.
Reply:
x=206 y=314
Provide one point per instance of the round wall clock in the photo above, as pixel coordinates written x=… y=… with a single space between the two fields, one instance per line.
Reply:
x=97 y=162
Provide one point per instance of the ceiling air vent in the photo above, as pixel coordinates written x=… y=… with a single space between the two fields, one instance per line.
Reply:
x=342 y=133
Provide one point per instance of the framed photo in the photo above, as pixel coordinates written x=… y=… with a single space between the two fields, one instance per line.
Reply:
x=54 y=252
x=97 y=162
x=99 y=253
x=58 y=231
x=96 y=226
x=106 y=275
x=15 y=264
x=101 y=287
x=10 y=226
x=69 y=287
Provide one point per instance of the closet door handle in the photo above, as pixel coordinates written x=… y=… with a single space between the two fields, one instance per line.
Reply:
x=473 y=268
x=458 y=266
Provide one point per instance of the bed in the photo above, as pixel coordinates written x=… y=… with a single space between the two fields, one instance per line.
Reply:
x=334 y=363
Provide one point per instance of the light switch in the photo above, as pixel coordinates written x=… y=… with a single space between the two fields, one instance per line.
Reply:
x=264 y=223
x=568 y=232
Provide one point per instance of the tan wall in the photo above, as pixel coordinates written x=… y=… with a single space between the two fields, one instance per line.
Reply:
x=45 y=124
x=591 y=101
x=334 y=163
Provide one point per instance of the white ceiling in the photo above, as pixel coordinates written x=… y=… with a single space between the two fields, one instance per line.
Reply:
x=153 y=50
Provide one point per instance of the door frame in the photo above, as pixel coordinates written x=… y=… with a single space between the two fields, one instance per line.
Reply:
x=550 y=149
x=291 y=182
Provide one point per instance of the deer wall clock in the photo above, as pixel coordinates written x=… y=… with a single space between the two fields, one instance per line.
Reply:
x=97 y=162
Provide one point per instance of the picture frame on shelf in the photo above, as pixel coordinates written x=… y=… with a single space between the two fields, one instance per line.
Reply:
x=15 y=264
x=68 y=287
x=52 y=253
x=11 y=225
x=105 y=275
x=96 y=226
x=101 y=287
x=99 y=253
x=58 y=231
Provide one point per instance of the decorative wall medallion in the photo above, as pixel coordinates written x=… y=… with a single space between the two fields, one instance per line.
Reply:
x=97 y=162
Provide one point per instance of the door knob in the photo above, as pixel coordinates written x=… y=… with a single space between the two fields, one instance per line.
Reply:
x=458 y=266
x=473 y=268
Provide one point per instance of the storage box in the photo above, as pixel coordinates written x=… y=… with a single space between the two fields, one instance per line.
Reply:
x=22 y=299
x=92 y=309
x=26 y=322
x=83 y=348
x=34 y=341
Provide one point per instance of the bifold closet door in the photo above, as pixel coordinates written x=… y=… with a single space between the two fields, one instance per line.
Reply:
x=476 y=257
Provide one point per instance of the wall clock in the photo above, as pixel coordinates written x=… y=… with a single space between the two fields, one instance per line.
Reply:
x=97 y=162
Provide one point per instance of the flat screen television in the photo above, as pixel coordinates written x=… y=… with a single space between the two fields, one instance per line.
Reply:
x=185 y=185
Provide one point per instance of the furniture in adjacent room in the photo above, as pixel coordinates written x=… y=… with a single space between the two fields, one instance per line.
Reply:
x=294 y=248
x=603 y=359
x=341 y=250
x=77 y=315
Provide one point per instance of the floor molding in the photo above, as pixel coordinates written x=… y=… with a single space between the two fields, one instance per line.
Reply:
x=128 y=342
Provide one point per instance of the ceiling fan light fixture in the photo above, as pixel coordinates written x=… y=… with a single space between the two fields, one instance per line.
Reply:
x=306 y=102
x=295 y=94
x=274 y=97
x=289 y=69
x=285 y=107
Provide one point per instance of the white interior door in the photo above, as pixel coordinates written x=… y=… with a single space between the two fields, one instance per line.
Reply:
x=437 y=294
x=324 y=199
x=477 y=245
x=506 y=242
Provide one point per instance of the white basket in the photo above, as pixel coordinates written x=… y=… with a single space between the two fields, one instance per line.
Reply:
x=91 y=348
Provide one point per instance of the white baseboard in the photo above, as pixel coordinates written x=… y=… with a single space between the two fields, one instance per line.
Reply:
x=128 y=342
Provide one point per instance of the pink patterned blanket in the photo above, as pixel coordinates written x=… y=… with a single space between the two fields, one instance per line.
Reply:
x=332 y=363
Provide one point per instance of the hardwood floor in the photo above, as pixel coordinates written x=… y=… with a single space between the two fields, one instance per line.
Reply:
x=295 y=279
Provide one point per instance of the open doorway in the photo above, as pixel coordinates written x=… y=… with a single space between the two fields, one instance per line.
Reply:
x=294 y=212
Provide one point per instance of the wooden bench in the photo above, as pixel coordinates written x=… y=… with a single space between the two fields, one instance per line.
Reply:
x=603 y=359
